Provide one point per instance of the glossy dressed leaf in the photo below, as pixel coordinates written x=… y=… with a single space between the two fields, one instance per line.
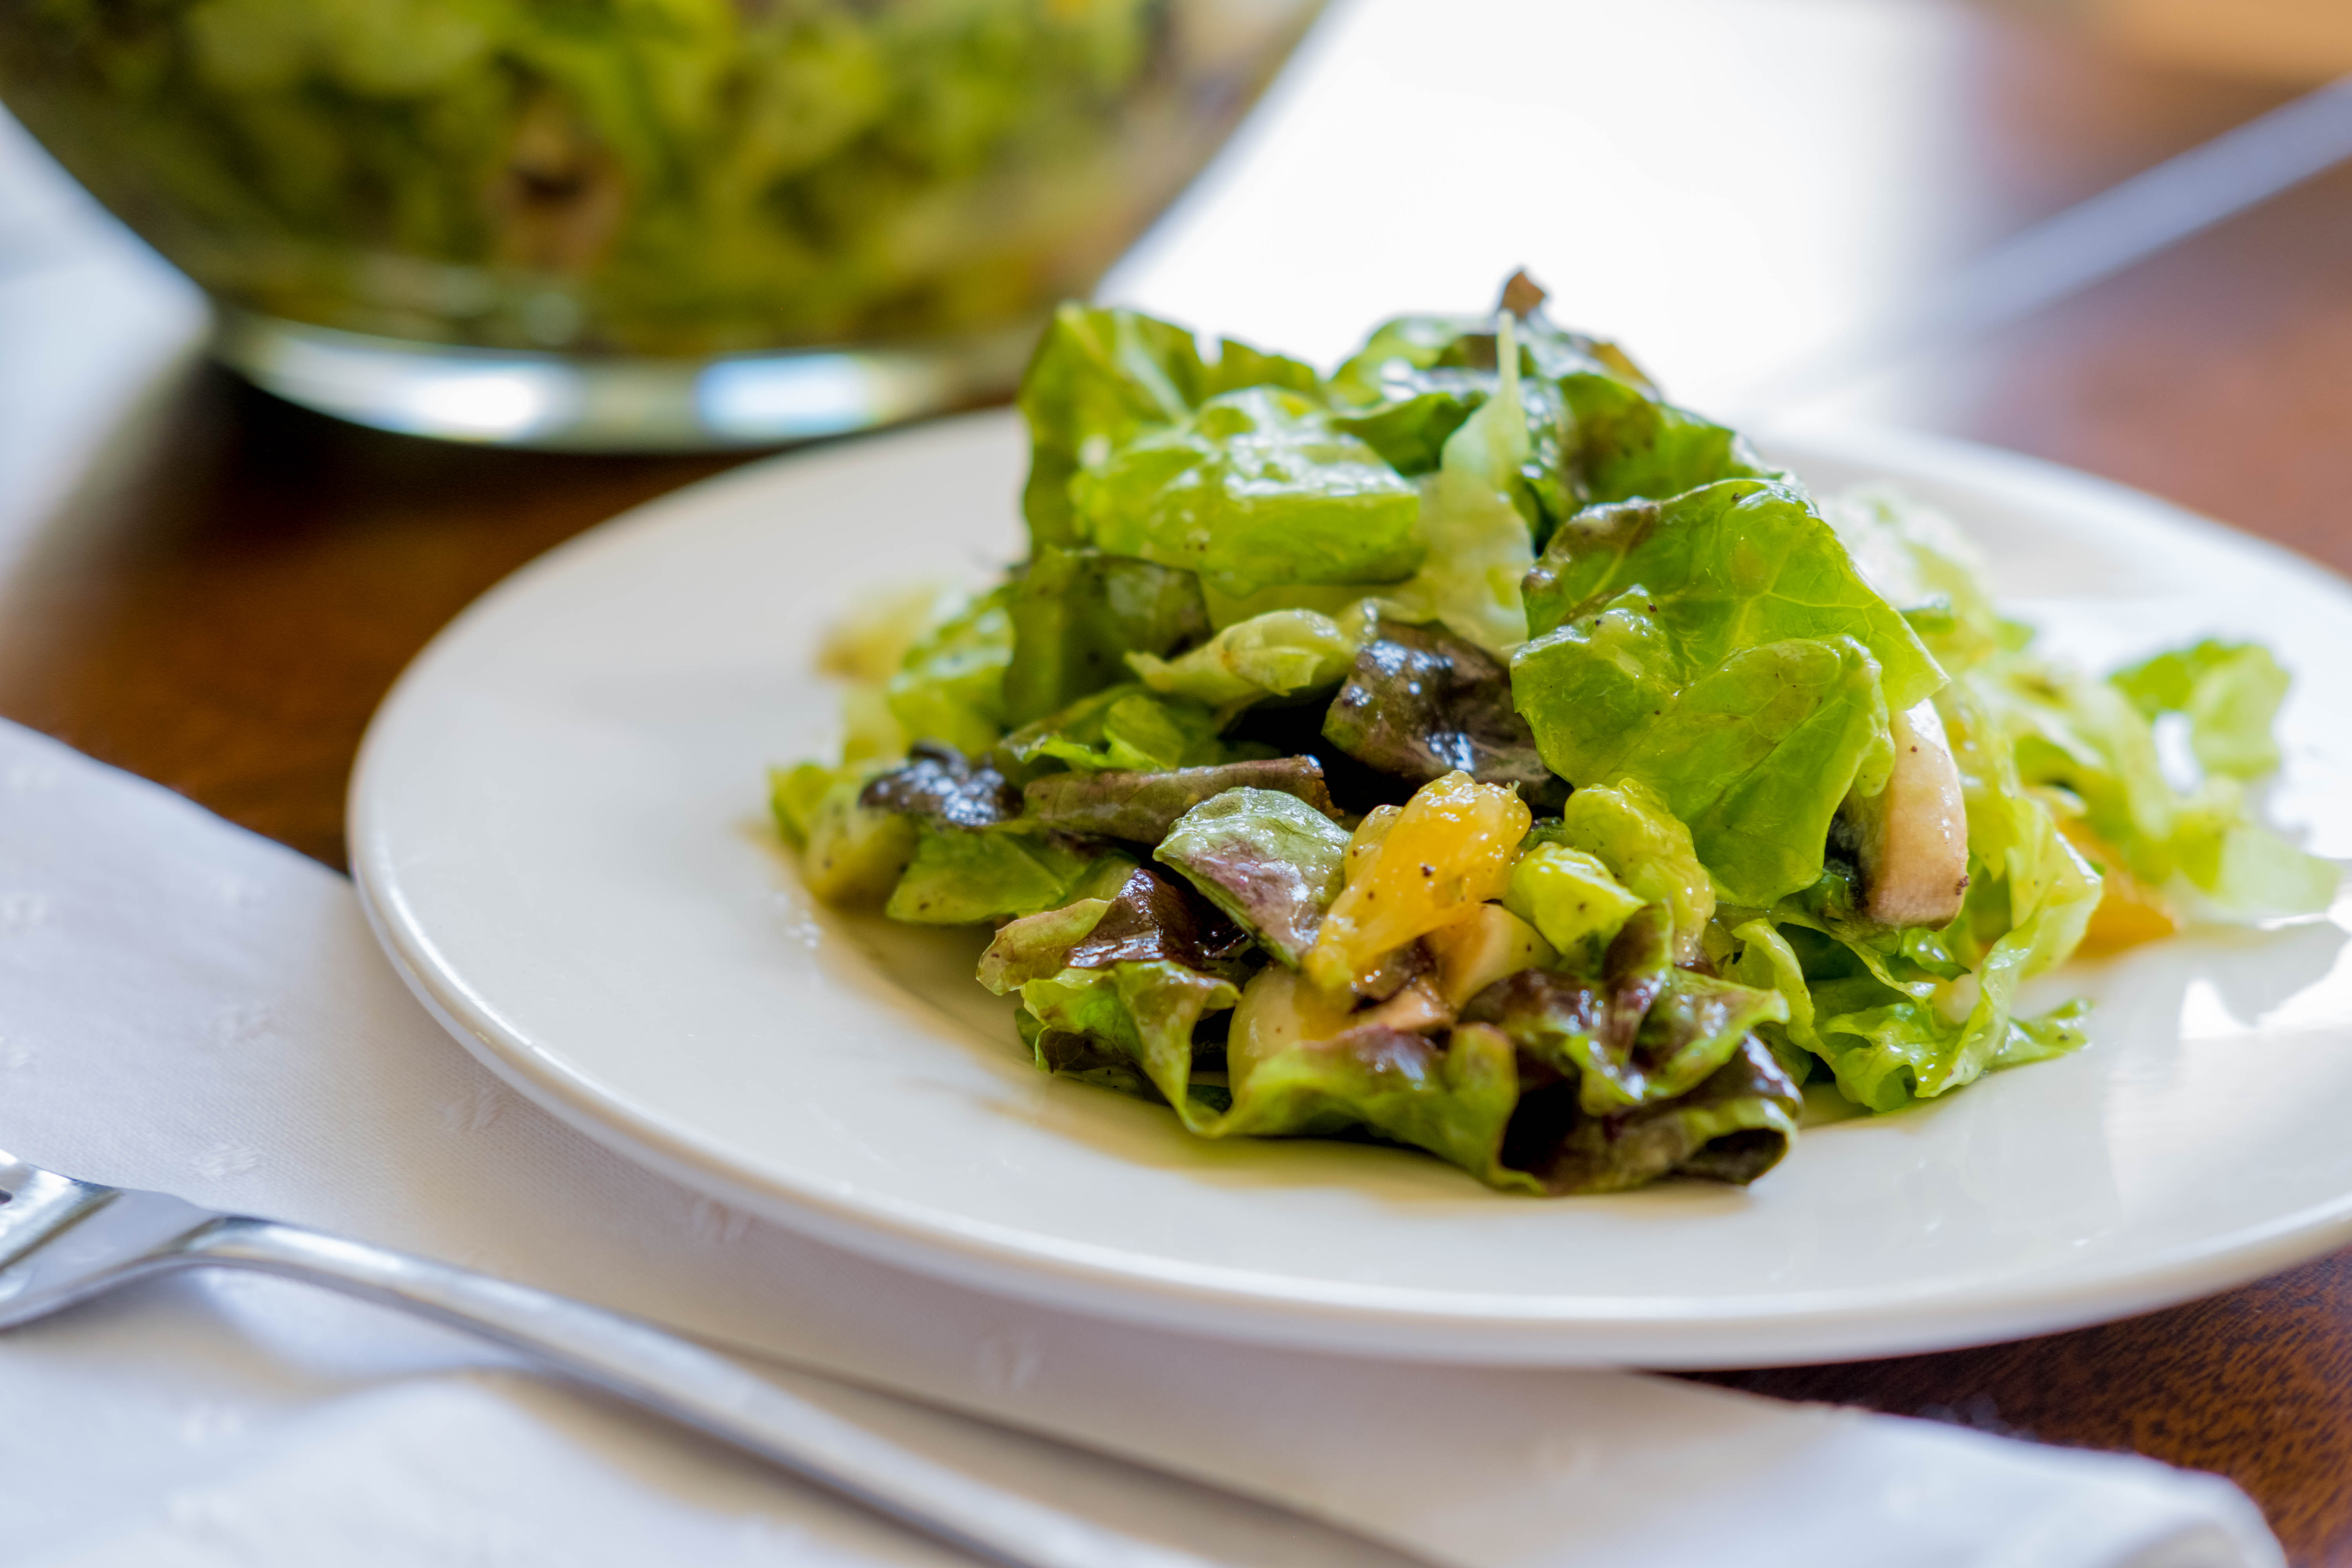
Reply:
x=1734 y=1126
x=1291 y=1078
x=1627 y=828
x=1148 y=917
x=1255 y=489
x=1420 y=703
x=2207 y=849
x=1919 y=562
x=1410 y=425
x=1126 y=727
x=1147 y=1010
x=1900 y=1016
x=961 y=876
x=1097 y=378
x=1569 y=897
x=1644 y=1031
x=1269 y=861
x=1143 y=807
x=939 y=783
x=1629 y=444
x=1733 y=565
x=1755 y=755
x=1280 y=654
x=949 y=686
x=848 y=855
x=2230 y=693
x=1076 y=615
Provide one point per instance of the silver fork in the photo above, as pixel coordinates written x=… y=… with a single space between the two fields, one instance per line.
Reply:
x=63 y=1241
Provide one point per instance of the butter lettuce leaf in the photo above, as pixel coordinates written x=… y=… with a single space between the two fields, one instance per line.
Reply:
x=1755 y=755
x=1732 y=566
x=949 y=686
x=1627 y=828
x=1629 y=445
x=1720 y=648
x=2206 y=847
x=1255 y=489
x=1076 y=615
x=962 y=875
x=1147 y=1010
x=1736 y=1124
x=1643 y=1030
x=1284 y=653
x=1901 y=1014
x=1099 y=378
x=1129 y=728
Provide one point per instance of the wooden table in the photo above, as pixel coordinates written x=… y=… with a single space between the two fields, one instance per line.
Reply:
x=223 y=608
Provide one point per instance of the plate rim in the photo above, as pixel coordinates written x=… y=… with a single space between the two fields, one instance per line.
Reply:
x=1372 y=1319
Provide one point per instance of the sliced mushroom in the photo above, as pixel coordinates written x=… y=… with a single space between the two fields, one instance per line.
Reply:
x=1911 y=839
x=1416 y=1009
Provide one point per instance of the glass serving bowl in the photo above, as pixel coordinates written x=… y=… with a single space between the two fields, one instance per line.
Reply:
x=636 y=224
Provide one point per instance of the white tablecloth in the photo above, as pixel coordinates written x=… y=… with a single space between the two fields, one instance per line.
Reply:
x=186 y=1006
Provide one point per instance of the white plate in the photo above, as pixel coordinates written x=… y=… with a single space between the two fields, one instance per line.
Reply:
x=558 y=825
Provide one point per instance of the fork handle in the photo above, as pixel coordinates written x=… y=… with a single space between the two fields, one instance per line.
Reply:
x=690 y=1385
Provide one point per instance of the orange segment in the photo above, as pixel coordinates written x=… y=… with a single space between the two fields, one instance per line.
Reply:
x=2130 y=912
x=1448 y=851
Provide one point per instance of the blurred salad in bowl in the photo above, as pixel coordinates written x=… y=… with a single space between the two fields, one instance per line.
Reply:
x=652 y=178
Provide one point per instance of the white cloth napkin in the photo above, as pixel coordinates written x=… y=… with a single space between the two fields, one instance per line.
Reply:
x=183 y=1005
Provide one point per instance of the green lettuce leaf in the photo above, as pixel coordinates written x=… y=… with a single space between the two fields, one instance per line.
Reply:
x=1146 y=1010
x=1421 y=378
x=949 y=687
x=1755 y=755
x=1147 y=918
x=2230 y=693
x=2206 y=848
x=1100 y=377
x=1097 y=378
x=1452 y=1097
x=1255 y=489
x=1919 y=562
x=1901 y=1014
x=1629 y=446
x=1076 y=615
x=1627 y=828
x=961 y=876
x=1278 y=654
x=849 y=854
x=1721 y=648
x=1127 y=728
x=1569 y=897
x=1733 y=565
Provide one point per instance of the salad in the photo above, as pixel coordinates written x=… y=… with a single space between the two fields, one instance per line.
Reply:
x=1471 y=750
x=664 y=177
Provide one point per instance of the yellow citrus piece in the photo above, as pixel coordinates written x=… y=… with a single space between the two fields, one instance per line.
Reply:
x=2130 y=912
x=1448 y=851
